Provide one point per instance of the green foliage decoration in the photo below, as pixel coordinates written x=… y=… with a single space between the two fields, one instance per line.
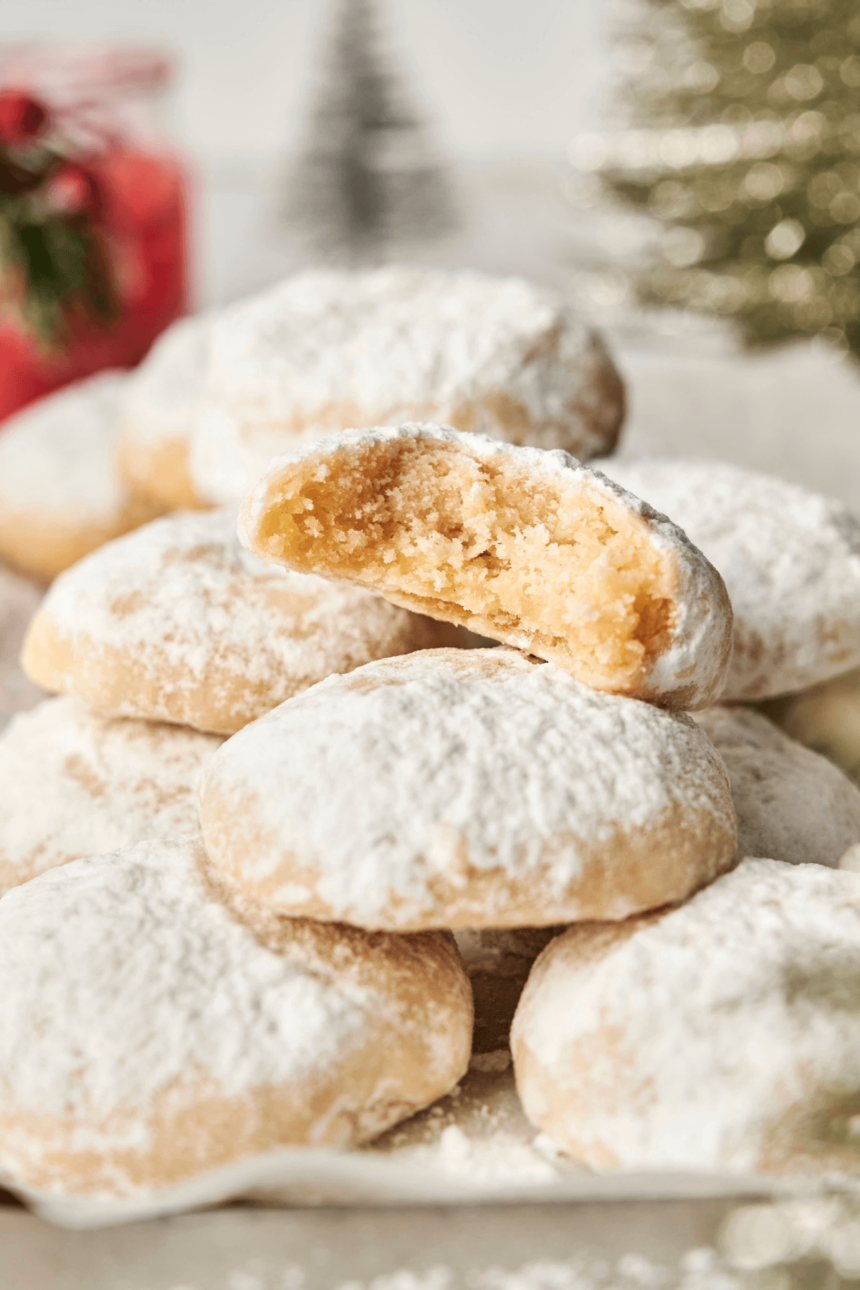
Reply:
x=742 y=139
x=55 y=268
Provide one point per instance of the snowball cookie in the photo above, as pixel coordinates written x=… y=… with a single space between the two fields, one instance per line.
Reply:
x=61 y=493
x=75 y=784
x=851 y=858
x=521 y=545
x=790 y=560
x=718 y=1036
x=147 y=1034
x=466 y=788
x=19 y=600
x=791 y=804
x=825 y=717
x=326 y=350
x=160 y=404
x=177 y=622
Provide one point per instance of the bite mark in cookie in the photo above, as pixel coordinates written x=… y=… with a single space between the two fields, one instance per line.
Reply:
x=521 y=545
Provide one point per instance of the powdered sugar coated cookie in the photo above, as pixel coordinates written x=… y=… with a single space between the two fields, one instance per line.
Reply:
x=521 y=545
x=791 y=804
x=19 y=600
x=177 y=622
x=160 y=403
x=148 y=1035
x=466 y=788
x=718 y=1036
x=826 y=717
x=75 y=784
x=790 y=560
x=326 y=350
x=61 y=493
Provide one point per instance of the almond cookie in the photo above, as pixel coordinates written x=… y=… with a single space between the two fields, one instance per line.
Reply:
x=19 y=600
x=825 y=717
x=160 y=404
x=326 y=350
x=61 y=493
x=75 y=784
x=466 y=788
x=148 y=1035
x=790 y=560
x=718 y=1036
x=791 y=804
x=177 y=622
x=521 y=545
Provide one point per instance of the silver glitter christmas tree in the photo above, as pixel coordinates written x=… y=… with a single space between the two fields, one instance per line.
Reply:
x=742 y=138
x=368 y=185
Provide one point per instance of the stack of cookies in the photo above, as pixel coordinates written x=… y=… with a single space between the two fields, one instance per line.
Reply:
x=281 y=772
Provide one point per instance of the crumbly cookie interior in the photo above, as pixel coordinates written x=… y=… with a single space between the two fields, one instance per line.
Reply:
x=556 y=566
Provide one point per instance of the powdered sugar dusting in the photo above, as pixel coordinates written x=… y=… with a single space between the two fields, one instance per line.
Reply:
x=791 y=804
x=136 y=1004
x=697 y=1269
x=501 y=354
x=718 y=1035
x=57 y=457
x=790 y=560
x=185 y=611
x=130 y=952
x=162 y=395
x=449 y=761
x=74 y=784
x=478 y=1133
x=19 y=600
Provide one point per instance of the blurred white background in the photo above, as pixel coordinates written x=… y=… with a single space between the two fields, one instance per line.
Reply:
x=503 y=84
x=498 y=77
